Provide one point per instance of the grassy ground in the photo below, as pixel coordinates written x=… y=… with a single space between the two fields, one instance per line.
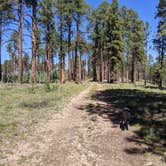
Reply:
x=147 y=108
x=22 y=106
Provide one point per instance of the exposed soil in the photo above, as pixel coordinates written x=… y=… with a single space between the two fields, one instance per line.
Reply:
x=77 y=137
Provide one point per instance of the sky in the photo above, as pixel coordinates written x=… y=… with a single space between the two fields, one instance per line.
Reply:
x=146 y=10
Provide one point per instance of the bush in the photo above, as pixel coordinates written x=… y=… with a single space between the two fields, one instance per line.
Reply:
x=47 y=87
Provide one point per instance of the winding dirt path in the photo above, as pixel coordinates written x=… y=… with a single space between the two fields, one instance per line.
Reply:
x=75 y=137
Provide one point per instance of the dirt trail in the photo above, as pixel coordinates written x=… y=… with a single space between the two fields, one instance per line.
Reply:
x=76 y=137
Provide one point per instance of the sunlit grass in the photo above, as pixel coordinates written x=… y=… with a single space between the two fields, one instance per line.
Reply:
x=139 y=85
x=21 y=106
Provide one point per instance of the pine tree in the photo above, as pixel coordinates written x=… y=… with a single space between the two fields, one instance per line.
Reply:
x=6 y=14
x=97 y=26
x=33 y=4
x=125 y=16
x=115 y=43
x=47 y=22
x=136 y=42
x=60 y=5
x=147 y=33
x=68 y=14
x=160 y=41
x=79 y=11
x=20 y=19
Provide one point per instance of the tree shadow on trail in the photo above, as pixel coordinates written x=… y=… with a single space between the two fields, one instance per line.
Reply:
x=148 y=113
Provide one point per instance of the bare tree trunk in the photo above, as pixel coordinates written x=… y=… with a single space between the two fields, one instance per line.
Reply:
x=61 y=56
x=98 y=69
x=108 y=70
x=72 y=64
x=34 y=46
x=0 y=47
x=161 y=64
x=94 y=67
x=82 y=70
x=145 y=73
x=105 y=70
x=101 y=66
x=48 y=53
x=14 y=64
x=69 y=51
x=20 y=68
x=76 y=65
x=89 y=66
x=49 y=66
x=79 y=66
x=127 y=74
x=127 y=70
x=133 y=72
x=123 y=71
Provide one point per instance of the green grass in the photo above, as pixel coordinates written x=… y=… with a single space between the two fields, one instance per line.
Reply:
x=22 y=106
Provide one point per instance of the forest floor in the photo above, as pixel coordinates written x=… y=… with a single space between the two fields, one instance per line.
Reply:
x=85 y=132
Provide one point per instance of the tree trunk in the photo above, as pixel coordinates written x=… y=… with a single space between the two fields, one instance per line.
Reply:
x=89 y=66
x=127 y=69
x=123 y=72
x=161 y=64
x=14 y=64
x=34 y=46
x=98 y=69
x=20 y=68
x=76 y=65
x=108 y=70
x=48 y=53
x=61 y=56
x=0 y=47
x=145 y=73
x=101 y=66
x=105 y=70
x=82 y=70
x=79 y=66
x=72 y=64
x=112 y=72
x=133 y=72
x=49 y=64
x=94 y=67
x=127 y=74
x=69 y=51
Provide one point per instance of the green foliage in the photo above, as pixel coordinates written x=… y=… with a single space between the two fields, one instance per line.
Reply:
x=47 y=87
x=6 y=9
x=160 y=41
x=47 y=23
x=50 y=87
x=55 y=74
x=150 y=133
x=26 y=77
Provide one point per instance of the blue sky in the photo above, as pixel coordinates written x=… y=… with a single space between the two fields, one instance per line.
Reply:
x=146 y=10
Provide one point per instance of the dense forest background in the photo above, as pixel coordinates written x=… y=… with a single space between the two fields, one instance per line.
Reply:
x=71 y=41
